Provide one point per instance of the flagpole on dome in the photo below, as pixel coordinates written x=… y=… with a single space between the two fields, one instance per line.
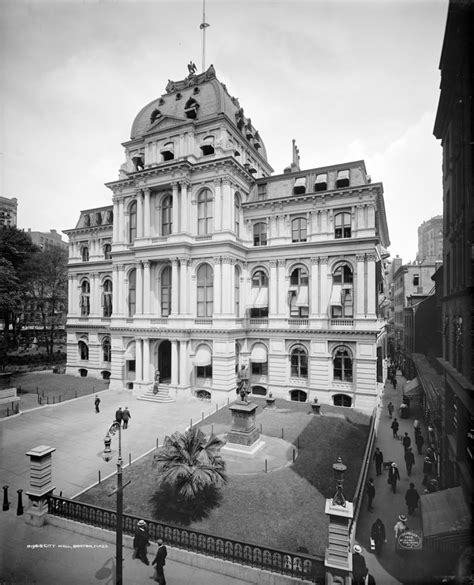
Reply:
x=203 y=27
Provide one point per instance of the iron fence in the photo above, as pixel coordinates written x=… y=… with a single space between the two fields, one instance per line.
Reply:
x=298 y=565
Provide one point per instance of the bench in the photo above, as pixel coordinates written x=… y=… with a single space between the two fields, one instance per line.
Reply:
x=8 y=395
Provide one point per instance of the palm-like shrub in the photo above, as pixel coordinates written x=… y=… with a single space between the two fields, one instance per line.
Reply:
x=190 y=463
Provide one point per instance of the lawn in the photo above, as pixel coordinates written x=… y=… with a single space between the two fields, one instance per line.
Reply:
x=37 y=388
x=283 y=509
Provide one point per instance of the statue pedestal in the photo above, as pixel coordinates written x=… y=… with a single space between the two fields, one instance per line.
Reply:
x=243 y=437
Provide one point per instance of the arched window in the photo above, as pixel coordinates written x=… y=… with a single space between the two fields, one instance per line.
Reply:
x=298 y=396
x=205 y=291
x=107 y=298
x=260 y=234
x=207 y=146
x=342 y=297
x=259 y=391
x=85 y=253
x=85 y=298
x=259 y=295
x=107 y=252
x=342 y=400
x=166 y=215
x=190 y=109
x=299 y=230
x=132 y=228
x=299 y=363
x=106 y=350
x=342 y=225
x=204 y=204
x=237 y=207
x=132 y=292
x=298 y=293
x=83 y=350
x=259 y=360
x=342 y=363
x=166 y=292
x=237 y=291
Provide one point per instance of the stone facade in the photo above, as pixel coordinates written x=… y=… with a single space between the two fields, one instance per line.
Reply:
x=206 y=262
x=8 y=211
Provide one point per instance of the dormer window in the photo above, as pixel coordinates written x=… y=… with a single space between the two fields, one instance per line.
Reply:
x=321 y=183
x=161 y=101
x=155 y=115
x=207 y=146
x=257 y=141
x=87 y=220
x=167 y=152
x=191 y=108
x=178 y=96
x=196 y=90
x=138 y=160
x=300 y=186
x=342 y=179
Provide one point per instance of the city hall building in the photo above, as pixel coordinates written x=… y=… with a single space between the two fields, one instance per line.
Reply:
x=206 y=262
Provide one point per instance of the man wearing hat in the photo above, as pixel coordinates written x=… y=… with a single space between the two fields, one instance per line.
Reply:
x=393 y=477
x=409 y=460
x=160 y=561
x=140 y=542
x=400 y=527
x=359 y=568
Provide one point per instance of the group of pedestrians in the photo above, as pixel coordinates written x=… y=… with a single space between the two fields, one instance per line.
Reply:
x=123 y=416
x=141 y=541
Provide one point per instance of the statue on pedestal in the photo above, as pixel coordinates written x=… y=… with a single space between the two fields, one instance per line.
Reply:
x=243 y=383
x=156 y=383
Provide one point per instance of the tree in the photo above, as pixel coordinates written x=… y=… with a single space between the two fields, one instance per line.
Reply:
x=10 y=302
x=190 y=463
x=45 y=301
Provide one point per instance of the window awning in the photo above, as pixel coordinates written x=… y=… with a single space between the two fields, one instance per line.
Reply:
x=322 y=178
x=259 y=354
x=301 y=182
x=342 y=175
x=302 y=297
x=203 y=356
x=413 y=388
x=252 y=297
x=258 y=298
x=336 y=296
x=130 y=353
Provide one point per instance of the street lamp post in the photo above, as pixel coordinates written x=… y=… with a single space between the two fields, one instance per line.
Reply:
x=107 y=456
x=339 y=469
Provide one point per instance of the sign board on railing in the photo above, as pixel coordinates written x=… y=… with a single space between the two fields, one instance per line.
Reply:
x=410 y=540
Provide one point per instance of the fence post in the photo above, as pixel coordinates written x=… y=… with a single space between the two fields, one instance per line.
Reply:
x=99 y=475
x=129 y=458
x=282 y=434
x=266 y=466
x=298 y=442
x=294 y=455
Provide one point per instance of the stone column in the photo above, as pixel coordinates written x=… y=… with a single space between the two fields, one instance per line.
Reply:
x=282 y=291
x=227 y=206
x=217 y=285
x=174 y=362
x=273 y=289
x=146 y=287
x=147 y=214
x=371 y=289
x=139 y=291
x=41 y=484
x=360 y=285
x=183 y=285
x=146 y=360
x=139 y=360
x=183 y=363
x=217 y=205
x=184 y=206
x=175 y=211
x=139 y=198
x=227 y=290
x=325 y=285
x=174 y=287
x=314 y=288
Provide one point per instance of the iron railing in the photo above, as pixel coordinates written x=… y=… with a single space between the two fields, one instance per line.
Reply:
x=298 y=565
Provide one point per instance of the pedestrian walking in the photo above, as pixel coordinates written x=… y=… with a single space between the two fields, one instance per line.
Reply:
x=427 y=468
x=406 y=441
x=394 y=382
x=140 y=542
x=394 y=426
x=390 y=409
x=378 y=458
x=412 y=497
x=409 y=460
x=393 y=477
x=370 y=494
x=416 y=426
x=378 y=535
x=159 y=561
x=119 y=415
x=419 y=442
x=126 y=416
x=359 y=567
x=400 y=527
x=97 y=404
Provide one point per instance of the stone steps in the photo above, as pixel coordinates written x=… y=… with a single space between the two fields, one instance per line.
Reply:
x=163 y=395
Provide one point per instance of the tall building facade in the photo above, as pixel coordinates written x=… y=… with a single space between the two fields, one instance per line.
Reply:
x=47 y=240
x=454 y=127
x=430 y=240
x=8 y=211
x=206 y=262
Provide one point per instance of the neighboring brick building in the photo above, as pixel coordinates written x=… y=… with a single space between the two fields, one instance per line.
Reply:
x=8 y=211
x=430 y=240
x=206 y=262
x=45 y=240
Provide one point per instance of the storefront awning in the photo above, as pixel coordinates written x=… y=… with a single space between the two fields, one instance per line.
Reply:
x=413 y=388
x=446 y=520
x=130 y=353
x=259 y=354
x=203 y=356
x=302 y=297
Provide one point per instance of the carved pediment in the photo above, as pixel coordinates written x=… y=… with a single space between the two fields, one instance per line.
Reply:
x=165 y=122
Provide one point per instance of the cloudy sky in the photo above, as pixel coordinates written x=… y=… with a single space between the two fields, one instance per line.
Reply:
x=347 y=80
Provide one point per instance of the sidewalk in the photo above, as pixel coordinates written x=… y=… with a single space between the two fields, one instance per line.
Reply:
x=390 y=568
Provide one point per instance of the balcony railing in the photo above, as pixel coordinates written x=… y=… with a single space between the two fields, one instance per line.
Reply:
x=298 y=322
x=203 y=321
x=297 y=565
x=159 y=321
x=258 y=322
x=342 y=322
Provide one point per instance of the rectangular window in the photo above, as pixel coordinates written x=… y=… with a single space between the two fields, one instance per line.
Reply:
x=259 y=313
x=204 y=371
x=259 y=369
x=416 y=280
x=261 y=192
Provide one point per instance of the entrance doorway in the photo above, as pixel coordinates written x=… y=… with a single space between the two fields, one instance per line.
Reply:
x=164 y=361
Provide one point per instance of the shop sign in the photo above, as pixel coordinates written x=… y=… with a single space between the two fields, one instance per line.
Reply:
x=410 y=540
